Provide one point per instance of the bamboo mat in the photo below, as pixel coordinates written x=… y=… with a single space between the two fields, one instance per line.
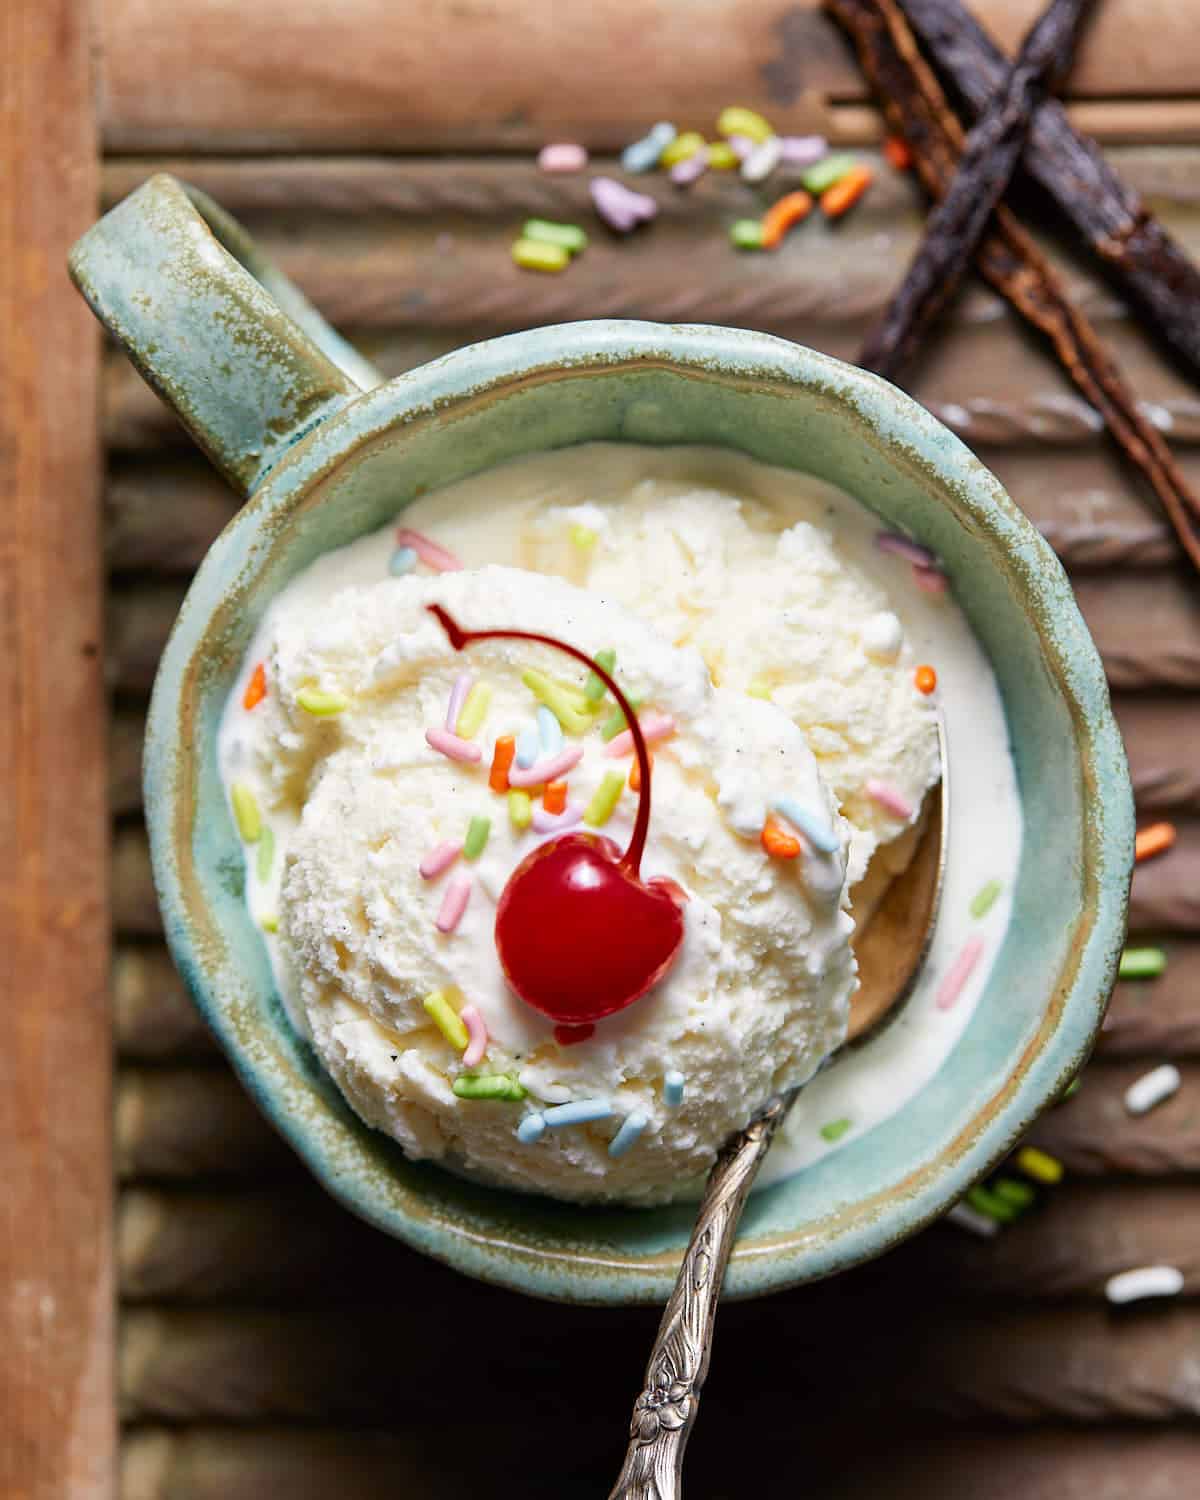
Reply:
x=267 y=1343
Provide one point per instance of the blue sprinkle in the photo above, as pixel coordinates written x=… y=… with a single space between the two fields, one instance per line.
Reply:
x=527 y=746
x=642 y=155
x=549 y=731
x=815 y=832
x=532 y=1128
x=673 y=1088
x=402 y=561
x=578 y=1112
x=629 y=1133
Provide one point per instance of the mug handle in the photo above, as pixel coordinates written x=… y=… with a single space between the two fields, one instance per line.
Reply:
x=245 y=360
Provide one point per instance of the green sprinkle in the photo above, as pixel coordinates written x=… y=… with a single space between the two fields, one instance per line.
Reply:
x=488 y=1086
x=446 y=1019
x=1142 y=963
x=834 y=1130
x=473 y=712
x=759 y=688
x=266 y=854
x=615 y=722
x=321 y=705
x=593 y=688
x=245 y=812
x=270 y=924
x=992 y=1205
x=985 y=898
x=568 y=237
x=477 y=837
x=746 y=234
x=1019 y=1194
x=825 y=173
x=520 y=809
x=604 y=799
x=566 y=703
x=583 y=537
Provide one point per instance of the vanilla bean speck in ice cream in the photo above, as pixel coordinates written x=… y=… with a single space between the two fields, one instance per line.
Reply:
x=745 y=614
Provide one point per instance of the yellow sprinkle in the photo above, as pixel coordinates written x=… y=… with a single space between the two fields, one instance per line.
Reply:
x=682 y=148
x=604 y=799
x=536 y=255
x=1039 y=1165
x=473 y=712
x=245 y=812
x=520 y=809
x=321 y=705
x=567 y=704
x=759 y=688
x=747 y=122
x=583 y=537
x=446 y=1019
x=721 y=156
x=270 y=924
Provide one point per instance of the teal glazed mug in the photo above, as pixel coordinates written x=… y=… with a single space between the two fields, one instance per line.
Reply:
x=324 y=451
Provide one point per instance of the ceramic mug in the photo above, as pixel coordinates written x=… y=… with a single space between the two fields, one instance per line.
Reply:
x=324 y=452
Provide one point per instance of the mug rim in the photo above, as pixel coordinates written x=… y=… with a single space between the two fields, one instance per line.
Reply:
x=912 y=435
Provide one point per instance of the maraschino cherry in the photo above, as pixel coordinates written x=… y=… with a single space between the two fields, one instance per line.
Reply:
x=580 y=934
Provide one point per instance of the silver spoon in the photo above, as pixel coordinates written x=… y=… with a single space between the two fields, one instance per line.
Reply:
x=891 y=951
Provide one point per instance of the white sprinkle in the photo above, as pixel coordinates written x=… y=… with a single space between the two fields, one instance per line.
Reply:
x=763 y=160
x=1152 y=1088
x=1146 y=1281
x=966 y=1217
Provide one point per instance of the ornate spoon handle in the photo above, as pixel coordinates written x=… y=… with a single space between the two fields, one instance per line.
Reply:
x=666 y=1409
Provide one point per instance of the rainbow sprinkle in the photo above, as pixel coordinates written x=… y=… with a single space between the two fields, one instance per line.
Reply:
x=967 y=1218
x=817 y=834
x=578 y=1112
x=930 y=580
x=615 y=722
x=890 y=798
x=439 y=860
x=604 y=799
x=629 y=1134
x=959 y=972
x=454 y=903
x=431 y=553
x=458 y=696
x=474 y=711
x=834 y=1130
x=567 y=704
x=593 y=688
x=452 y=747
x=673 y=1085
x=477 y=1031
x=447 y=1020
x=488 y=1086
x=542 y=771
x=1146 y=1281
x=520 y=809
x=548 y=822
x=985 y=898
x=402 y=561
x=549 y=732
x=655 y=728
x=903 y=546
x=531 y=1129
x=321 y=705
x=266 y=854
x=1039 y=1165
x=245 y=812
x=528 y=745
x=477 y=836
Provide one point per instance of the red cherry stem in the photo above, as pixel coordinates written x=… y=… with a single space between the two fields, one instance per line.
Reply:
x=632 y=858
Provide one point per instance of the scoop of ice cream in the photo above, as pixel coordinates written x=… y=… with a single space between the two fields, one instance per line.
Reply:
x=758 y=996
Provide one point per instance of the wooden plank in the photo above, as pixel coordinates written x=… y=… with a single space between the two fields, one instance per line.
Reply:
x=1094 y=1134
x=154 y=1019
x=56 y=1391
x=214 y=75
x=1156 y=1018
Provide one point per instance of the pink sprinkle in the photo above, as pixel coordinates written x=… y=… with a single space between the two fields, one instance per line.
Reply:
x=431 y=553
x=454 y=903
x=439 y=860
x=562 y=156
x=551 y=769
x=887 y=796
x=477 y=1033
x=690 y=170
x=960 y=971
x=655 y=727
x=458 y=696
x=802 y=150
x=451 y=746
x=902 y=546
x=620 y=207
x=930 y=580
x=544 y=822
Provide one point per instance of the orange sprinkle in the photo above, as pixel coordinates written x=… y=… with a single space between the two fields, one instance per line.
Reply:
x=1156 y=839
x=780 y=217
x=777 y=842
x=256 y=688
x=635 y=774
x=502 y=759
x=925 y=679
x=554 y=798
x=844 y=194
x=896 y=151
